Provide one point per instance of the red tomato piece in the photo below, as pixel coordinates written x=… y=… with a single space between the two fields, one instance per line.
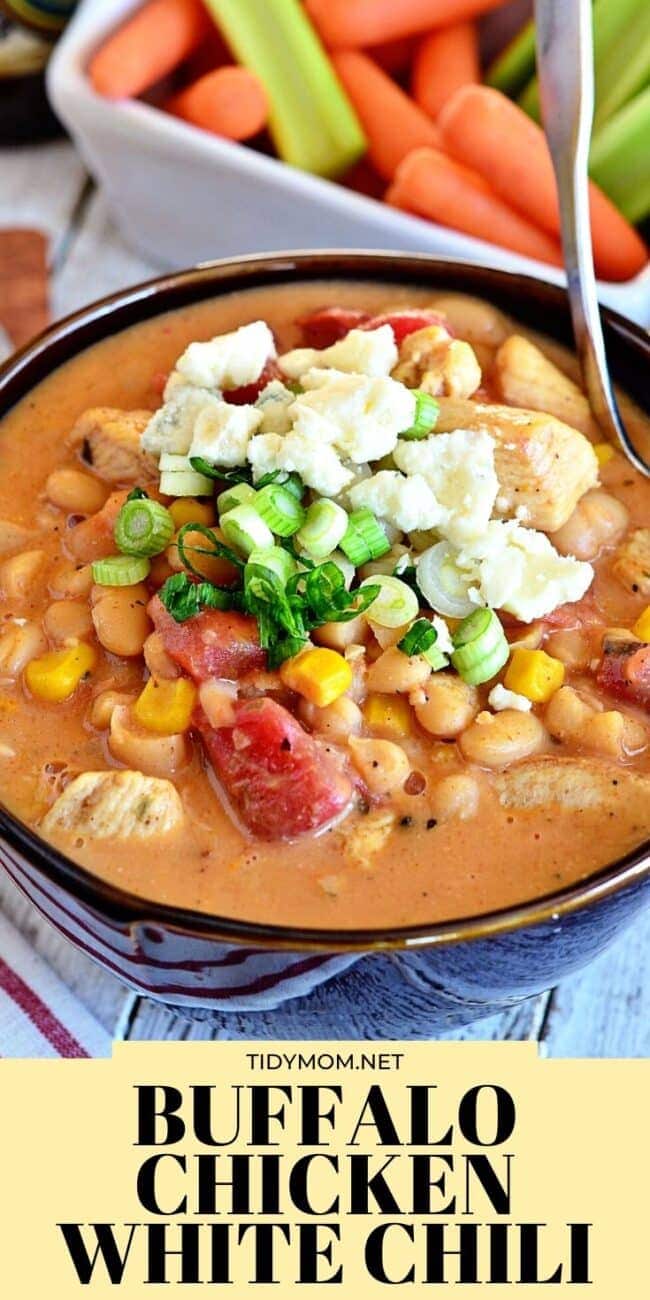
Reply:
x=216 y=643
x=624 y=670
x=406 y=322
x=322 y=328
x=280 y=781
x=249 y=393
x=582 y=613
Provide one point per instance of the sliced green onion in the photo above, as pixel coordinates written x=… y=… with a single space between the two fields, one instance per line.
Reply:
x=364 y=538
x=426 y=414
x=179 y=479
x=278 y=507
x=436 y=659
x=215 y=547
x=245 y=529
x=421 y=640
x=292 y=482
x=235 y=496
x=143 y=527
x=346 y=566
x=275 y=559
x=442 y=583
x=324 y=527
x=240 y=474
x=480 y=647
x=120 y=570
x=394 y=605
x=185 y=599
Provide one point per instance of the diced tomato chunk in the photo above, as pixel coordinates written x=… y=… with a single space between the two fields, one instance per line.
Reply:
x=330 y=324
x=406 y=322
x=322 y=328
x=249 y=393
x=280 y=781
x=216 y=643
x=624 y=671
x=582 y=613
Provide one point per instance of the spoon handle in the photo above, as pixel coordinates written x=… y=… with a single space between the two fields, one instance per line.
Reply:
x=566 y=82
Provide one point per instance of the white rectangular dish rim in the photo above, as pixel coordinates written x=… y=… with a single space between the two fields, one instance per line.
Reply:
x=181 y=196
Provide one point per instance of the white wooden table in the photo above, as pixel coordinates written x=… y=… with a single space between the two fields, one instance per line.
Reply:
x=604 y=1011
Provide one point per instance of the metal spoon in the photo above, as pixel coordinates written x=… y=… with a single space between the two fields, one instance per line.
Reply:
x=566 y=80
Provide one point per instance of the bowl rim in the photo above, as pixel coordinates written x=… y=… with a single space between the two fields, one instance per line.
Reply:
x=87 y=324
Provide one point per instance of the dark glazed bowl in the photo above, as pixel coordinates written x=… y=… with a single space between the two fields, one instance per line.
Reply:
x=408 y=982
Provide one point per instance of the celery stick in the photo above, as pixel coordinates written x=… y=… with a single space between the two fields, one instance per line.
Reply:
x=529 y=100
x=311 y=120
x=621 y=58
x=511 y=69
x=620 y=158
x=621 y=53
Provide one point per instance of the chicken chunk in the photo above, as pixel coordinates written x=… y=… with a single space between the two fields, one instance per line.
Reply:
x=111 y=444
x=543 y=466
x=527 y=378
x=115 y=805
x=368 y=838
x=632 y=562
x=430 y=359
x=576 y=784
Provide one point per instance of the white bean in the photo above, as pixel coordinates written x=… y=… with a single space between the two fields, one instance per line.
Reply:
x=497 y=740
x=338 y=636
x=70 y=489
x=120 y=618
x=342 y=718
x=159 y=663
x=101 y=709
x=18 y=644
x=143 y=750
x=19 y=573
x=67 y=622
x=446 y=706
x=566 y=712
x=383 y=765
x=218 y=698
x=598 y=520
x=70 y=580
x=395 y=671
x=456 y=796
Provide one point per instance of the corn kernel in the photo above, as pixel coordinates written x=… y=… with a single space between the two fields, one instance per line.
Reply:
x=389 y=714
x=321 y=675
x=166 y=705
x=534 y=674
x=187 y=511
x=55 y=676
x=642 y=626
x=604 y=453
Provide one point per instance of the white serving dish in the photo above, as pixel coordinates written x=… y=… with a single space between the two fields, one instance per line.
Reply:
x=181 y=196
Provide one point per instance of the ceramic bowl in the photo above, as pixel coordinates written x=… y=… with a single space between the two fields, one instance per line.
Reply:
x=403 y=982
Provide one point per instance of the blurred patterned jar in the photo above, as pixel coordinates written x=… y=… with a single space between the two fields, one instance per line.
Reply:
x=27 y=33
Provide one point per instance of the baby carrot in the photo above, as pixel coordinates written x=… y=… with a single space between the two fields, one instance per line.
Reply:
x=148 y=47
x=432 y=185
x=393 y=124
x=487 y=132
x=445 y=60
x=349 y=24
x=229 y=101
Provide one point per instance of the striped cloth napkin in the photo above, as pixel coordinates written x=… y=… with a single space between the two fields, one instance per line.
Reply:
x=39 y=1016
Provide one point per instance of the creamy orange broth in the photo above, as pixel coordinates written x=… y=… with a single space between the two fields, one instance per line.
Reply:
x=423 y=872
